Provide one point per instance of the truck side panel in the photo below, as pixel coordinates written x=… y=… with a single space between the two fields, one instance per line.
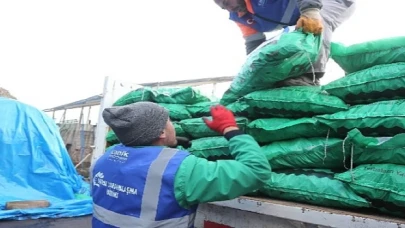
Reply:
x=214 y=216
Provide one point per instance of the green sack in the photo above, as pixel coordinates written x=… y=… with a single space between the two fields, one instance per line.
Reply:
x=185 y=95
x=210 y=147
x=111 y=137
x=239 y=108
x=360 y=56
x=197 y=128
x=141 y=94
x=200 y=109
x=307 y=153
x=378 y=83
x=377 y=150
x=315 y=187
x=381 y=184
x=292 y=102
x=383 y=118
x=179 y=130
x=176 y=111
x=290 y=56
x=269 y=130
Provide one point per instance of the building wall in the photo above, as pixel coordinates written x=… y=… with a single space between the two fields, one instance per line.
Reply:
x=72 y=137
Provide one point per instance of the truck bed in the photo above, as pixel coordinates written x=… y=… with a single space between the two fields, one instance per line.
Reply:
x=252 y=212
x=75 y=222
x=263 y=208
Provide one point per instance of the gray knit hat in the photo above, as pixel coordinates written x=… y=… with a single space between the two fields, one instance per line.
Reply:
x=137 y=124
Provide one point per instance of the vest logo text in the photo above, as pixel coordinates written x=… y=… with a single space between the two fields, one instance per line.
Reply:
x=113 y=189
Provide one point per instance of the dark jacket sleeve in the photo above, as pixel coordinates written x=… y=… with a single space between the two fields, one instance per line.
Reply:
x=306 y=4
x=253 y=38
x=252 y=45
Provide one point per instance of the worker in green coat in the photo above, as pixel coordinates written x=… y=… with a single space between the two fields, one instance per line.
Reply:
x=144 y=182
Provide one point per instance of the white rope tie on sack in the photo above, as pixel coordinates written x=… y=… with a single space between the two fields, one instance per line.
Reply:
x=351 y=161
x=326 y=146
x=312 y=68
x=351 y=157
x=143 y=92
x=344 y=152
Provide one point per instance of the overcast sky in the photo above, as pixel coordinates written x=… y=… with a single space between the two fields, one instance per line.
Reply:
x=54 y=52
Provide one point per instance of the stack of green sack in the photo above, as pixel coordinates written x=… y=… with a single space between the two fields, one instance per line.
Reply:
x=289 y=56
x=340 y=145
x=183 y=104
x=187 y=107
x=374 y=87
x=303 y=152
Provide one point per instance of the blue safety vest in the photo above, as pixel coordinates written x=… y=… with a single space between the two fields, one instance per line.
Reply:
x=269 y=15
x=134 y=187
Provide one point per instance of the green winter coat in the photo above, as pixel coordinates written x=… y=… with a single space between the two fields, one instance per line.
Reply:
x=199 y=180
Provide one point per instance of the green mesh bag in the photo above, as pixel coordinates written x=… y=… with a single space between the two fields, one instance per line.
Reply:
x=210 y=147
x=185 y=95
x=111 y=137
x=383 y=118
x=307 y=153
x=141 y=94
x=290 y=56
x=179 y=130
x=239 y=108
x=200 y=109
x=278 y=129
x=176 y=111
x=292 y=102
x=381 y=184
x=378 y=83
x=377 y=150
x=316 y=187
x=360 y=56
x=197 y=128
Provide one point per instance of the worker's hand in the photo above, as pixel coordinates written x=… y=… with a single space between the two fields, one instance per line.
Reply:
x=310 y=21
x=222 y=118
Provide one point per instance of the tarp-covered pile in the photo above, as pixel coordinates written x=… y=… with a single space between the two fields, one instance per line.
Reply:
x=35 y=165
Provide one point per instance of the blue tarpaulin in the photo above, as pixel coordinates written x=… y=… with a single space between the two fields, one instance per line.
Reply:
x=35 y=165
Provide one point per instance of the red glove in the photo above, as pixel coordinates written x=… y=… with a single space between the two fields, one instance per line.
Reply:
x=221 y=118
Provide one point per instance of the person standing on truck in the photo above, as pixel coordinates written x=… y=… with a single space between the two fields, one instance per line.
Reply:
x=254 y=17
x=144 y=182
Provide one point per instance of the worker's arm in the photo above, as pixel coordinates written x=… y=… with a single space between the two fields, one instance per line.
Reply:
x=252 y=37
x=309 y=4
x=199 y=180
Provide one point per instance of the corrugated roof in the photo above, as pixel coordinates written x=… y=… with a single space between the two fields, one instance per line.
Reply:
x=90 y=101
x=95 y=100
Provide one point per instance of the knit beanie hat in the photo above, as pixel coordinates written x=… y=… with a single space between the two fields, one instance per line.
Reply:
x=137 y=124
